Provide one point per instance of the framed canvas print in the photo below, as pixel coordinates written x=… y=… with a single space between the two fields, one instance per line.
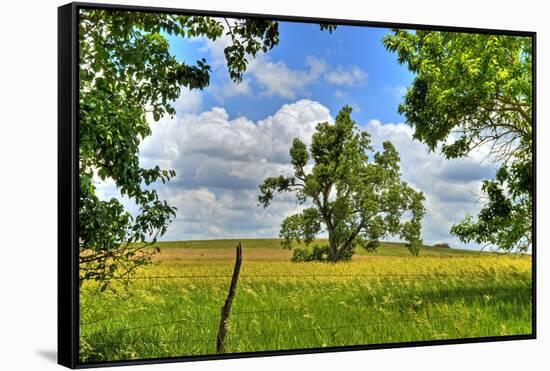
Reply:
x=236 y=185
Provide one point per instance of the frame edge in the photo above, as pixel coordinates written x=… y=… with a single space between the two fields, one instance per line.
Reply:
x=67 y=256
x=68 y=299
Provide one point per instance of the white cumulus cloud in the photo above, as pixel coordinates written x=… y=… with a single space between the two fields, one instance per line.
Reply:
x=347 y=76
x=276 y=78
x=220 y=161
x=451 y=187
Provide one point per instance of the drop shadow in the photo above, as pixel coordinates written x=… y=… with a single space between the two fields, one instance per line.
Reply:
x=50 y=355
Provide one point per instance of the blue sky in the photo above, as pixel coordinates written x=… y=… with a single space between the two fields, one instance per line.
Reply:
x=226 y=139
x=347 y=46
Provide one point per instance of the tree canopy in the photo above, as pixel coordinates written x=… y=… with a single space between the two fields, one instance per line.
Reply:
x=474 y=91
x=356 y=193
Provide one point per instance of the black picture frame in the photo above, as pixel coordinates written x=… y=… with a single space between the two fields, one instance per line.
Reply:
x=68 y=98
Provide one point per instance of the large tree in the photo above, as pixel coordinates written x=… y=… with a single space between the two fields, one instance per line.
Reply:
x=358 y=199
x=474 y=91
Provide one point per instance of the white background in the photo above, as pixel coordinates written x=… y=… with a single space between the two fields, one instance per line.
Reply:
x=28 y=178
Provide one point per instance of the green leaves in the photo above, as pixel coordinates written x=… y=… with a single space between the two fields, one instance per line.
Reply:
x=472 y=91
x=274 y=184
x=248 y=38
x=299 y=156
x=356 y=200
x=298 y=227
x=126 y=74
x=472 y=84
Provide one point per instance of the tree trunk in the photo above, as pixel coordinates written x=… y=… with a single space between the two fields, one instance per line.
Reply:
x=333 y=249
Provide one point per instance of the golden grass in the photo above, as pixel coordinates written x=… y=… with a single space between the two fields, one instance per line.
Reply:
x=375 y=298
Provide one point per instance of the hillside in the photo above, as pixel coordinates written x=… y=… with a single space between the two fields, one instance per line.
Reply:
x=273 y=245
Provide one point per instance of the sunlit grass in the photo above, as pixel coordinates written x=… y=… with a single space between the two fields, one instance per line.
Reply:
x=383 y=298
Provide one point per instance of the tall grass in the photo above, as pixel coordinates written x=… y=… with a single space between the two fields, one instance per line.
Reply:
x=283 y=305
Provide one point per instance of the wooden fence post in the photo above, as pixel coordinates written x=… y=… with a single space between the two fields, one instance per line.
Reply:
x=226 y=308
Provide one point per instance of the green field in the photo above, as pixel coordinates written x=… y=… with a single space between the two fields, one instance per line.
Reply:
x=171 y=308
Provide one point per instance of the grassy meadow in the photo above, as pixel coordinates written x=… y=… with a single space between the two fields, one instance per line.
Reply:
x=171 y=308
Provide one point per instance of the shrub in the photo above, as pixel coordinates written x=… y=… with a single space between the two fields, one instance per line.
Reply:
x=301 y=255
x=320 y=253
x=317 y=253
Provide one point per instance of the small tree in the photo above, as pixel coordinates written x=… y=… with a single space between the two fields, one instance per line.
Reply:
x=358 y=200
